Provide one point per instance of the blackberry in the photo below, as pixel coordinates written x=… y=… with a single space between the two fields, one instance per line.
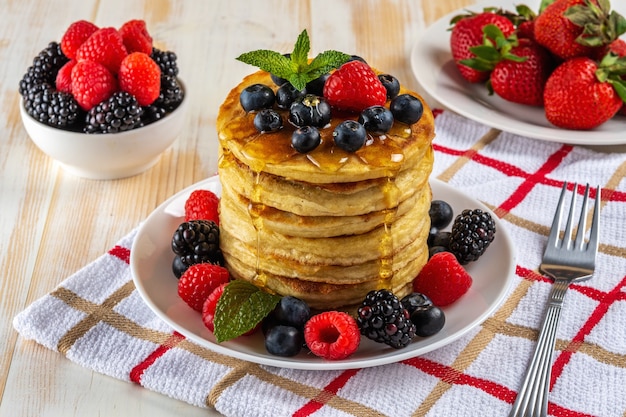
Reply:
x=152 y=113
x=197 y=241
x=44 y=68
x=471 y=234
x=51 y=107
x=166 y=60
x=170 y=97
x=382 y=318
x=119 y=113
x=171 y=94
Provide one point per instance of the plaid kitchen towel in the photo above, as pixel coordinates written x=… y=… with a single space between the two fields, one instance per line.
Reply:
x=97 y=319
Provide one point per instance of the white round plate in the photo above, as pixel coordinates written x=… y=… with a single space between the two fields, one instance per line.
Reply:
x=432 y=65
x=151 y=258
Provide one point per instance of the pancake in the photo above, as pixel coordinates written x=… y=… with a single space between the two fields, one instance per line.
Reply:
x=327 y=226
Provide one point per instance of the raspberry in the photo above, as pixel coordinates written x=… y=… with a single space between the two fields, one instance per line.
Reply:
x=202 y=205
x=209 y=306
x=332 y=335
x=354 y=87
x=136 y=37
x=63 y=80
x=199 y=281
x=104 y=46
x=75 y=35
x=442 y=279
x=92 y=83
x=140 y=76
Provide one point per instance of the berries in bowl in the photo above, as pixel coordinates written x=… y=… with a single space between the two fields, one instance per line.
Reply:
x=104 y=102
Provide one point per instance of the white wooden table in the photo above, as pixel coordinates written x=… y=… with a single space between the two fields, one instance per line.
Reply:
x=52 y=224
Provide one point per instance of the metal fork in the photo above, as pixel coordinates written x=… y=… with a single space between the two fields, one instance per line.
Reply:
x=565 y=260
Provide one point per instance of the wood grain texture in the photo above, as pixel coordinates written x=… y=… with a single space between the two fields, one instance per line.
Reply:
x=52 y=224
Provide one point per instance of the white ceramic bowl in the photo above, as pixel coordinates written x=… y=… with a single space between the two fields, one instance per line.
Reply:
x=107 y=156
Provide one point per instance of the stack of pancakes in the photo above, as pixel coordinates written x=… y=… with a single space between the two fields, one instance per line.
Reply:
x=327 y=226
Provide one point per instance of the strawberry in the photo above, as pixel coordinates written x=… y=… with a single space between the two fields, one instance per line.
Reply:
x=442 y=279
x=572 y=28
x=63 y=81
x=104 y=46
x=518 y=68
x=582 y=94
x=618 y=47
x=209 y=306
x=467 y=32
x=140 y=76
x=526 y=30
x=523 y=82
x=199 y=281
x=92 y=83
x=354 y=87
x=77 y=33
x=136 y=37
x=202 y=205
x=332 y=335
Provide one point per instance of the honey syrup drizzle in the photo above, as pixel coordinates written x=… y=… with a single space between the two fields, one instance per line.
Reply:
x=255 y=208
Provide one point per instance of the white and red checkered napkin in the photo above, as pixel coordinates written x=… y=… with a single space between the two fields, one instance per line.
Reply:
x=96 y=317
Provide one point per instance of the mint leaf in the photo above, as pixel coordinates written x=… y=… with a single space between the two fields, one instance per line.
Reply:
x=326 y=62
x=269 y=61
x=297 y=69
x=300 y=54
x=240 y=308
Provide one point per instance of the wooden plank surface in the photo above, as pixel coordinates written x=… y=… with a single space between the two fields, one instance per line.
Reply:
x=52 y=224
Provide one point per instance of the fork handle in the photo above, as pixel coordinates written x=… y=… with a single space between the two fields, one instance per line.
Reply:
x=532 y=398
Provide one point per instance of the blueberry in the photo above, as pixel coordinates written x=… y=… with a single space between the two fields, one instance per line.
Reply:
x=414 y=301
x=391 y=84
x=436 y=249
x=292 y=311
x=376 y=119
x=310 y=110
x=268 y=120
x=286 y=95
x=306 y=138
x=283 y=340
x=439 y=238
x=357 y=58
x=440 y=214
x=317 y=85
x=406 y=108
x=257 y=97
x=178 y=266
x=349 y=135
x=428 y=321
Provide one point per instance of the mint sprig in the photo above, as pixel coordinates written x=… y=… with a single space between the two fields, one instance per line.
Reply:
x=240 y=308
x=296 y=68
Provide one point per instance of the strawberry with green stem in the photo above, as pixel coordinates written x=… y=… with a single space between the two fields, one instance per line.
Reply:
x=571 y=28
x=518 y=68
x=467 y=32
x=582 y=94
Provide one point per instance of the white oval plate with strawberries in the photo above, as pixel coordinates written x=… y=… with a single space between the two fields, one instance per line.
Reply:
x=151 y=259
x=432 y=65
